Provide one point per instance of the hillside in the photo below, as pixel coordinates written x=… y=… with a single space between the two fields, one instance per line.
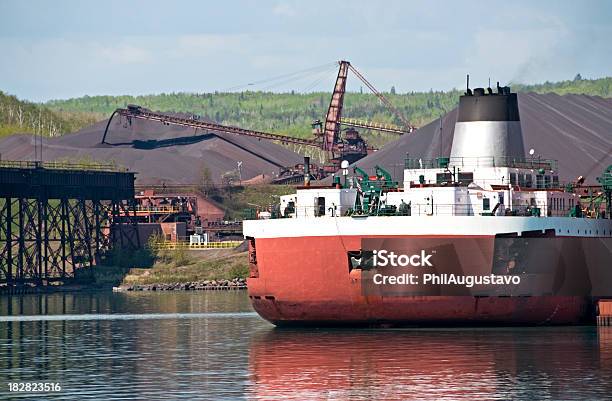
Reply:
x=18 y=116
x=292 y=113
x=287 y=113
x=578 y=86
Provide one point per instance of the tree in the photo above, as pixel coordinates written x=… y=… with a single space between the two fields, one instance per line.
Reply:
x=206 y=181
x=578 y=77
x=393 y=90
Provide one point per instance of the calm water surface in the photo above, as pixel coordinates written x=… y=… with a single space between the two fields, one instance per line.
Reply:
x=211 y=346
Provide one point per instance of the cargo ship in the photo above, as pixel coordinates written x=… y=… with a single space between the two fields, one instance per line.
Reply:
x=486 y=236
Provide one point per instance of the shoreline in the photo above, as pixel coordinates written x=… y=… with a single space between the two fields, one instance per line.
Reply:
x=204 y=285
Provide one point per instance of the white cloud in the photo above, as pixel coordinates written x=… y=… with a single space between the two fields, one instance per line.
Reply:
x=123 y=54
x=209 y=43
x=284 y=9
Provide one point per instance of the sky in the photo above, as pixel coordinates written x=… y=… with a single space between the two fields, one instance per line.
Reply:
x=60 y=49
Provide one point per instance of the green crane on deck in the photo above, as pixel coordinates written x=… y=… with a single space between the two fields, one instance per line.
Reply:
x=371 y=188
x=606 y=184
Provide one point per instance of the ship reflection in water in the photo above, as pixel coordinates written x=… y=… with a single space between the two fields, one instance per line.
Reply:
x=463 y=364
x=211 y=346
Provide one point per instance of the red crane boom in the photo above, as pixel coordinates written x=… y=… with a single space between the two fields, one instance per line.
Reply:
x=331 y=135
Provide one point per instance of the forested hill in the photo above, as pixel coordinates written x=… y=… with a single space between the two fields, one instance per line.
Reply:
x=18 y=116
x=579 y=86
x=292 y=113
x=287 y=113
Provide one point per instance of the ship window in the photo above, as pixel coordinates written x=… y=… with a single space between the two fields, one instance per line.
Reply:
x=513 y=179
x=539 y=181
x=486 y=204
x=528 y=180
x=290 y=208
x=547 y=181
x=555 y=181
x=320 y=206
x=466 y=178
x=444 y=177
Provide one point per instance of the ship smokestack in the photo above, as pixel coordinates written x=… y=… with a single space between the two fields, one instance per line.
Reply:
x=306 y=171
x=488 y=125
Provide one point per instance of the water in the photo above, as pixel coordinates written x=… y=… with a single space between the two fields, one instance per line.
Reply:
x=211 y=346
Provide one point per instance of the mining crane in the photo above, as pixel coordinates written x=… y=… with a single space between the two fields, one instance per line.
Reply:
x=350 y=146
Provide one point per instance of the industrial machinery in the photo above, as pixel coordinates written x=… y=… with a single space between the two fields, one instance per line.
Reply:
x=606 y=184
x=327 y=136
x=370 y=190
x=330 y=133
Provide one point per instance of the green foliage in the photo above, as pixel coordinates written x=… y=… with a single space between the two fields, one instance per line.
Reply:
x=239 y=270
x=17 y=116
x=236 y=199
x=284 y=113
x=207 y=184
x=293 y=113
x=180 y=257
x=205 y=265
x=175 y=257
x=594 y=87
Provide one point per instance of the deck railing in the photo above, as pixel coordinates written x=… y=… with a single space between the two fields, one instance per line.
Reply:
x=538 y=208
x=186 y=245
x=489 y=161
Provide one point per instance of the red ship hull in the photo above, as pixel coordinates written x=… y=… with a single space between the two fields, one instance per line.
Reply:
x=307 y=281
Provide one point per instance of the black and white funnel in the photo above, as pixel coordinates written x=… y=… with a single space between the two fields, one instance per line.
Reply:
x=488 y=127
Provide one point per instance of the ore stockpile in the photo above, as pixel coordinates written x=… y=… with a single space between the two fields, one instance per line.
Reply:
x=159 y=154
x=574 y=129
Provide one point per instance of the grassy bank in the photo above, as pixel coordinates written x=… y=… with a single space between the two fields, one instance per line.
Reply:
x=181 y=266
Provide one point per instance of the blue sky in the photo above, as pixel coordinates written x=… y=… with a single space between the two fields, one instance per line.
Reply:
x=60 y=49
